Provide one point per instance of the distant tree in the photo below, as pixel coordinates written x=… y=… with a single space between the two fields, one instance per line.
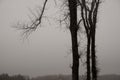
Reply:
x=14 y=77
x=88 y=16
x=4 y=76
x=18 y=77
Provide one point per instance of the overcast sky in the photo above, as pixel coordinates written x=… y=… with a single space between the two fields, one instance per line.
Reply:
x=46 y=50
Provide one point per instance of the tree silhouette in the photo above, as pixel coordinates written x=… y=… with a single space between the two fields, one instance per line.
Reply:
x=74 y=30
x=88 y=10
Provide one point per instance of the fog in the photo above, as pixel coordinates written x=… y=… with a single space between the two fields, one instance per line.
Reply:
x=46 y=51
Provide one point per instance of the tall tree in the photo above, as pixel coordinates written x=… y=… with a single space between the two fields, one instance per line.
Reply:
x=74 y=29
x=88 y=9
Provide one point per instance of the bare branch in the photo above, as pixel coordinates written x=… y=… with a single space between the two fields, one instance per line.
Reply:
x=79 y=22
x=83 y=4
x=32 y=26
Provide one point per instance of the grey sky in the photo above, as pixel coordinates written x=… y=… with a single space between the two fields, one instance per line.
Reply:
x=46 y=51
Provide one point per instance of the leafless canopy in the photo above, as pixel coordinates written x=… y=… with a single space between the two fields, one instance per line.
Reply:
x=28 y=28
x=89 y=9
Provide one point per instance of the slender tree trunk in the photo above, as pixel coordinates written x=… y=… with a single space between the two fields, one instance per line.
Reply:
x=93 y=54
x=75 y=67
x=88 y=58
x=73 y=30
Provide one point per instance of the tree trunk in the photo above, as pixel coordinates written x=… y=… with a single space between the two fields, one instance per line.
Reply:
x=88 y=58
x=93 y=54
x=75 y=67
x=73 y=30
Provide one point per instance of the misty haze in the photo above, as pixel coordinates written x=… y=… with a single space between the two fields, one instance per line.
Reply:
x=36 y=46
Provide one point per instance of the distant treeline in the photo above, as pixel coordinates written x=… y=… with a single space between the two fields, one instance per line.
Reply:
x=68 y=77
x=5 y=76
x=54 y=77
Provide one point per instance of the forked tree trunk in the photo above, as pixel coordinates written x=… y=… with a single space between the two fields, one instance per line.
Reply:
x=73 y=30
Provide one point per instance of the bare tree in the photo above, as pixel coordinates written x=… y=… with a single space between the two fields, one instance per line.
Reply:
x=88 y=10
x=74 y=29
